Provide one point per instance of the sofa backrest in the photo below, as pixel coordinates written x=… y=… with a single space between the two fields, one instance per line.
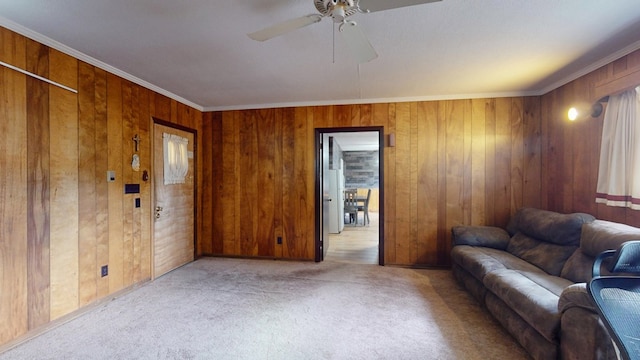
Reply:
x=596 y=237
x=545 y=238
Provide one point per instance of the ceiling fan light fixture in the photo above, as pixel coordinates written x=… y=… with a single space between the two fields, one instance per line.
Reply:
x=339 y=14
x=339 y=11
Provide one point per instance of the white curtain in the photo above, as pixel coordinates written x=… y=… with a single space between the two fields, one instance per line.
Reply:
x=176 y=160
x=619 y=171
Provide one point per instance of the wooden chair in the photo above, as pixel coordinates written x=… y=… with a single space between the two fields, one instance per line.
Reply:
x=365 y=209
x=351 y=204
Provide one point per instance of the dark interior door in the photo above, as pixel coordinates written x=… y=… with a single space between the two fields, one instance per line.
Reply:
x=322 y=191
x=325 y=194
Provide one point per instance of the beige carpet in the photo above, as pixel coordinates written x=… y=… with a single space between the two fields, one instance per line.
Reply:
x=218 y=308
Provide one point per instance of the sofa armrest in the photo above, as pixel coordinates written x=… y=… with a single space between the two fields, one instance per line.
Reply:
x=487 y=236
x=582 y=333
x=576 y=295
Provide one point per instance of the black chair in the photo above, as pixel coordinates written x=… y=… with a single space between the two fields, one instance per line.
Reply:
x=365 y=209
x=617 y=298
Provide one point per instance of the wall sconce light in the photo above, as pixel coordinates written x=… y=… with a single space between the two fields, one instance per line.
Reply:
x=596 y=110
x=392 y=140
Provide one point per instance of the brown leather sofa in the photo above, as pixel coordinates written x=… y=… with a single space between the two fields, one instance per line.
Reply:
x=532 y=278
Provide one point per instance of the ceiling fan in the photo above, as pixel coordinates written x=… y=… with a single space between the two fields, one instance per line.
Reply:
x=340 y=11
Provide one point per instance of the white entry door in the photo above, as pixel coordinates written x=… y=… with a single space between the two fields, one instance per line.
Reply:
x=174 y=234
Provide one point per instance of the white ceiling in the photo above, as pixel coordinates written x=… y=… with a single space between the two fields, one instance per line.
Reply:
x=197 y=51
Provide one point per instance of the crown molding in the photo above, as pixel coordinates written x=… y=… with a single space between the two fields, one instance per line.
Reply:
x=372 y=101
x=593 y=67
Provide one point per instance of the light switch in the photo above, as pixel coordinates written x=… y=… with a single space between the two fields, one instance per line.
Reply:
x=111 y=176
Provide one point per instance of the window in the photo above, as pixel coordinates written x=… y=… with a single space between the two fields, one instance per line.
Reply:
x=176 y=161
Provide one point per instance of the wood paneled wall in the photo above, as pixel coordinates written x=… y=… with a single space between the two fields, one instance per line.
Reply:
x=455 y=162
x=60 y=219
x=571 y=150
x=258 y=183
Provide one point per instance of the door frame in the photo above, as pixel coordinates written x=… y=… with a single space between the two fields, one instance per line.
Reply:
x=319 y=203
x=194 y=132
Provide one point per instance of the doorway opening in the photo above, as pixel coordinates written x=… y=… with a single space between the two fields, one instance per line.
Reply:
x=349 y=164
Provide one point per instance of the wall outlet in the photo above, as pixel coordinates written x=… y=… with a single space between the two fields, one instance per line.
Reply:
x=279 y=240
x=104 y=271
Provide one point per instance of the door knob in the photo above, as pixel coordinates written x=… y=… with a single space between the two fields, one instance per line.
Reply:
x=158 y=209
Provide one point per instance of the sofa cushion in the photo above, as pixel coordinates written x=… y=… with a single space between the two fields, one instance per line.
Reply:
x=578 y=267
x=489 y=236
x=479 y=261
x=549 y=226
x=533 y=295
x=547 y=256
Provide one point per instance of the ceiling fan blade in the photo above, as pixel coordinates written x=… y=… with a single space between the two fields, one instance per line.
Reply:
x=357 y=42
x=380 y=5
x=285 y=27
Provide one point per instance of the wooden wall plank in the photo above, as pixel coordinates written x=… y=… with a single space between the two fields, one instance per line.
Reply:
x=136 y=266
x=490 y=161
x=288 y=181
x=568 y=155
x=146 y=208
x=64 y=249
x=116 y=188
x=390 y=176
x=128 y=225
x=532 y=153
x=427 y=187
x=342 y=116
x=454 y=166
x=217 y=180
x=38 y=205
x=415 y=242
x=210 y=130
x=503 y=161
x=363 y=116
x=278 y=194
x=583 y=156
x=248 y=183
x=517 y=155
x=323 y=116
x=266 y=184
x=308 y=204
x=442 y=179
x=13 y=190
x=87 y=185
x=403 y=183
x=478 y=162
x=101 y=141
x=467 y=198
x=228 y=196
